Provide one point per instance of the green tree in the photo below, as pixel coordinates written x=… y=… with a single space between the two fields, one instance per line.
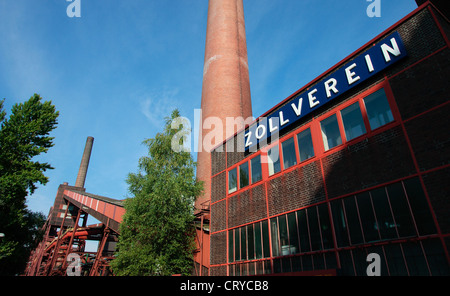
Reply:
x=157 y=235
x=23 y=136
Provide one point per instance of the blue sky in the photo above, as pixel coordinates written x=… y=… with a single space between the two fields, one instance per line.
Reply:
x=119 y=69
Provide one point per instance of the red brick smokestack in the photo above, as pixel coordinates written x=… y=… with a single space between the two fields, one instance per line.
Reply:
x=82 y=172
x=226 y=86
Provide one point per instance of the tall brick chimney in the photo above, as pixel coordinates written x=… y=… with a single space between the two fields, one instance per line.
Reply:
x=226 y=85
x=82 y=172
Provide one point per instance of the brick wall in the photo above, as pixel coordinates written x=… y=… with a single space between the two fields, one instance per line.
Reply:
x=420 y=86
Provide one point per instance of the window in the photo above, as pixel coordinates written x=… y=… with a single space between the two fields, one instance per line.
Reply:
x=273 y=159
x=330 y=132
x=378 y=109
x=289 y=155
x=305 y=145
x=232 y=181
x=243 y=175
x=353 y=121
x=256 y=169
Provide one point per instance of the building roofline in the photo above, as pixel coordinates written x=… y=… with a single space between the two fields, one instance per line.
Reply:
x=339 y=64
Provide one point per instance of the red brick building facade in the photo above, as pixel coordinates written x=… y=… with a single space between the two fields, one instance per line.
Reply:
x=365 y=173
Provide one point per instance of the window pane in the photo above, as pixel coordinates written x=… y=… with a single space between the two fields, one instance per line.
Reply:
x=353 y=121
x=232 y=181
x=265 y=233
x=303 y=231
x=273 y=159
x=420 y=208
x=314 y=231
x=243 y=243
x=340 y=226
x=250 y=242
x=256 y=169
x=394 y=258
x=284 y=239
x=415 y=259
x=436 y=257
x=325 y=226
x=289 y=155
x=353 y=220
x=305 y=145
x=293 y=235
x=400 y=208
x=243 y=175
x=378 y=109
x=368 y=222
x=274 y=236
x=237 y=245
x=230 y=246
x=330 y=132
x=385 y=224
x=258 y=242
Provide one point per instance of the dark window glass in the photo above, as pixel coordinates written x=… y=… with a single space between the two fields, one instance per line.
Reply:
x=353 y=121
x=286 y=264
x=237 y=245
x=378 y=110
x=415 y=259
x=289 y=155
x=293 y=235
x=394 y=258
x=303 y=231
x=400 y=208
x=266 y=241
x=284 y=239
x=305 y=145
x=314 y=231
x=258 y=241
x=420 y=207
x=256 y=169
x=319 y=261
x=369 y=224
x=346 y=263
x=386 y=224
x=243 y=175
x=330 y=259
x=250 y=242
x=307 y=263
x=273 y=159
x=436 y=257
x=330 y=132
x=275 y=237
x=353 y=220
x=230 y=246
x=360 y=260
x=243 y=243
x=325 y=226
x=232 y=180
x=340 y=225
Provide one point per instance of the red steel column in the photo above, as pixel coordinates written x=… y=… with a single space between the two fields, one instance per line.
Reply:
x=226 y=86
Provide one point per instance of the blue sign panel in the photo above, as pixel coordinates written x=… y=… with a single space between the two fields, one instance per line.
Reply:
x=381 y=55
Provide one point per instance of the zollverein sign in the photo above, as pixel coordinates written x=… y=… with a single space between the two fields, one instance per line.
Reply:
x=381 y=55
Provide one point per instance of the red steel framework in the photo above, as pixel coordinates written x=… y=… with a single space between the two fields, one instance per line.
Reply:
x=51 y=257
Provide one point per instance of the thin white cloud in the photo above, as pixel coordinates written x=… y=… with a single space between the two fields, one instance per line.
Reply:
x=159 y=105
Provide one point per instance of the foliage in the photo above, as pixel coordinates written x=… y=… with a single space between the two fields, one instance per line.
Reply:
x=157 y=235
x=23 y=136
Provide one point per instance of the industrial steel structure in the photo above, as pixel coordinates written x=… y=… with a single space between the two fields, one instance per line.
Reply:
x=66 y=232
